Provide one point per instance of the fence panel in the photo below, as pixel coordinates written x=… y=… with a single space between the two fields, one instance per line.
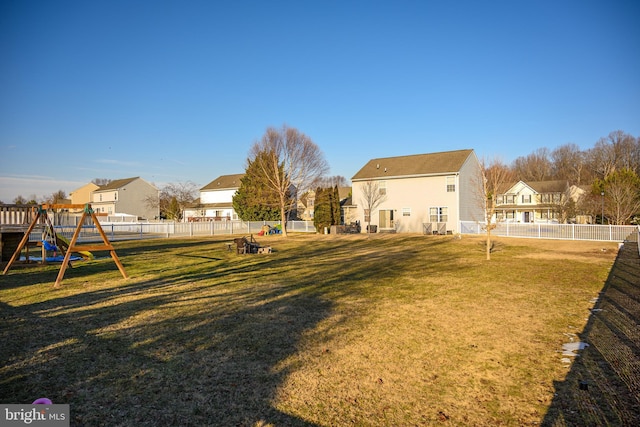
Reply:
x=609 y=233
x=143 y=230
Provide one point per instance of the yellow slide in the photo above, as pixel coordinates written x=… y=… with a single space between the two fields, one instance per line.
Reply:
x=65 y=243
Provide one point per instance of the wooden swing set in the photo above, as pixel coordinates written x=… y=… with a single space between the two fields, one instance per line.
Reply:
x=50 y=239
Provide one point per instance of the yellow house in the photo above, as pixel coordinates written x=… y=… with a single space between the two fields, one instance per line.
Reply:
x=82 y=195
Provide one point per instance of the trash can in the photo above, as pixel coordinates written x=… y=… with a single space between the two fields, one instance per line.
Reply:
x=372 y=228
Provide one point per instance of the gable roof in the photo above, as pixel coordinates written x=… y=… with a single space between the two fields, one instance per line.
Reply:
x=92 y=186
x=415 y=165
x=539 y=187
x=558 y=186
x=224 y=182
x=115 y=184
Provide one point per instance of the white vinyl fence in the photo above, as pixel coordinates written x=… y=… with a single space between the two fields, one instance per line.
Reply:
x=609 y=233
x=148 y=230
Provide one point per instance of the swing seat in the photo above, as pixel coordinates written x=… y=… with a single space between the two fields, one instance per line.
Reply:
x=48 y=246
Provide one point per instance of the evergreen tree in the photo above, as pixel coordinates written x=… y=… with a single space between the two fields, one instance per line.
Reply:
x=322 y=209
x=336 y=217
x=254 y=200
x=326 y=208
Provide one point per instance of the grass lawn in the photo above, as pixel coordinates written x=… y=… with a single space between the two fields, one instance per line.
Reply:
x=327 y=330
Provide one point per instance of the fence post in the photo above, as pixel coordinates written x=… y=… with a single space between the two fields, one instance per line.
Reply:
x=610 y=233
x=140 y=231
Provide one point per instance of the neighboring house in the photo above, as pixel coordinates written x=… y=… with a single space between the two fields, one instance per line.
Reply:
x=538 y=201
x=306 y=204
x=424 y=192
x=82 y=195
x=216 y=200
x=132 y=196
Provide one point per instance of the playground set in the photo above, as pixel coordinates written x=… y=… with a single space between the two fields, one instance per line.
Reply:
x=59 y=247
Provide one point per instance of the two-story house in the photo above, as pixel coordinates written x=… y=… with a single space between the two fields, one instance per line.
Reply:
x=216 y=200
x=538 y=201
x=82 y=195
x=422 y=193
x=132 y=196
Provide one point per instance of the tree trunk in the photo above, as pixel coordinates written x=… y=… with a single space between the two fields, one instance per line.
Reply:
x=283 y=216
x=488 y=242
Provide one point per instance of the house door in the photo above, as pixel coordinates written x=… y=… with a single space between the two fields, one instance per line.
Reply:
x=386 y=219
x=526 y=216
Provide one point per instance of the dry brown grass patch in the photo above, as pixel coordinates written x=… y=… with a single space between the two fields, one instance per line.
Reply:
x=327 y=330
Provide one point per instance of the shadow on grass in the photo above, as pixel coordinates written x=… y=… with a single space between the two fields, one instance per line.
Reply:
x=196 y=345
x=603 y=385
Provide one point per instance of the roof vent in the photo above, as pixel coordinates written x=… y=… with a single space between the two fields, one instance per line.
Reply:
x=385 y=169
x=378 y=166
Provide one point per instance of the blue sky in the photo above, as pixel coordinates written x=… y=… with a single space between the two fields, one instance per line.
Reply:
x=177 y=91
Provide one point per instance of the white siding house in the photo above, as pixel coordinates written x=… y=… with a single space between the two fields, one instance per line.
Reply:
x=424 y=193
x=216 y=200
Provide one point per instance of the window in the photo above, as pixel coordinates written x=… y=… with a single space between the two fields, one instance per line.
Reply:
x=382 y=187
x=526 y=198
x=115 y=196
x=510 y=198
x=451 y=184
x=406 y=211
x=438 y=214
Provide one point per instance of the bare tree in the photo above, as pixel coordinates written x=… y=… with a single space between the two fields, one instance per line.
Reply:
x=536 y=166
x=372 y=198
x=568 y=163
x=19 y=200
x=290 y=162
x=616 y=151
x=491 y=183
x=56 y=197
x=173 y=199
x=330 y=182
x=621 y=196
x=101 y=181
